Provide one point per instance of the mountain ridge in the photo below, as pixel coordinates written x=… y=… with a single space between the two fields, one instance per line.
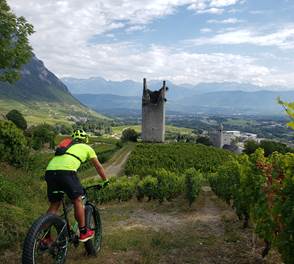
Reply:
x=99 y=85
x=222 y=102
x=40 y=93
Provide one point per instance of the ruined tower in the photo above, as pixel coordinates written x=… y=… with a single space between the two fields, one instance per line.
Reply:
x=217 y=137
x=153 y=113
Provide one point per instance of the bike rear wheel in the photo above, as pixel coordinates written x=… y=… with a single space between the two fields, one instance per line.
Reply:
x=93 y=222
x=36 y=251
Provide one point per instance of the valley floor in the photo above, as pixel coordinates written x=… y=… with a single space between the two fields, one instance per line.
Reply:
x=149 y=232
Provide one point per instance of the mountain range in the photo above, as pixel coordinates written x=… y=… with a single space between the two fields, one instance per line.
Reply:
x=113 y=97
x=41 y=96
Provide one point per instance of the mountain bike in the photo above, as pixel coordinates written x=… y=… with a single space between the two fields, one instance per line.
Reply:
x=62 y=233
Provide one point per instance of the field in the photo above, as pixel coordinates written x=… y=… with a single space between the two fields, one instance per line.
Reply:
x=169 y=129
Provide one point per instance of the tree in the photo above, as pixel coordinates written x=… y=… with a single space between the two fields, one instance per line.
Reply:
x=13 y=144
x=17 y=118
x=250 y=147
x=42 y=134
x=14 y=44
x=129 y=134
x=270 y=146
x=204 y=141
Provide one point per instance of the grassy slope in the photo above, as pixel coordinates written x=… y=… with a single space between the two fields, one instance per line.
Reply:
x=23 y=194
x=51 y=113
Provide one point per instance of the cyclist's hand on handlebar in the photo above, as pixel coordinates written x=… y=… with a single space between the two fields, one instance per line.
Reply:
x=104 y=183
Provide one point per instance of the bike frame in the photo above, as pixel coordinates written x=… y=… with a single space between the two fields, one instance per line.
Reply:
x=66 y=209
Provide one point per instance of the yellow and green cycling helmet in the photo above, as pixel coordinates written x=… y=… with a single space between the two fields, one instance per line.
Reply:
x=80 y=135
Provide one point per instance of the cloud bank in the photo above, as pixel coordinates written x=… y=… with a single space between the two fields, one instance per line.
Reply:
x=65 y=30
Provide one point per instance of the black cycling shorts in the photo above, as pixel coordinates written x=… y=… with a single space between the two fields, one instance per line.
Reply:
x=62 y=180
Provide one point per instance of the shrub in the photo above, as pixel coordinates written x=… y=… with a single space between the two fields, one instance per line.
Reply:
x=169 y=185
x=129 y=134
x=13 y=144
x=17 y=118
x=204 y=141
x=193 y=181
x=147 y=187
x=13 y=224
x=42 y=134
x=10 y=192
x=121 y=189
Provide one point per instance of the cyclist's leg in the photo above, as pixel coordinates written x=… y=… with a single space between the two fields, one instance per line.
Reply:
x=74 y=191
x=53 y=185
x=79 y=211
x=53 y=207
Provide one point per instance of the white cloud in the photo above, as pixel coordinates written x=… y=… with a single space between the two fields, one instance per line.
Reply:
x=225 y=21
x=205 y=30
x=136 y=28
x=222 y=3
x=123 y=61
x=213 y=10
x=257 y=12
x=283 y=38
x=64 y=28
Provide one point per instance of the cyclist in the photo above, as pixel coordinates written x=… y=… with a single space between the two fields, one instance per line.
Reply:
x=61 y=175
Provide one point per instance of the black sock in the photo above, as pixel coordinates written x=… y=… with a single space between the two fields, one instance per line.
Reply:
x=83 y=229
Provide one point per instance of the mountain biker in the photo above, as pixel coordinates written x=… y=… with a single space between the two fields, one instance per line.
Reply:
x=61 y=175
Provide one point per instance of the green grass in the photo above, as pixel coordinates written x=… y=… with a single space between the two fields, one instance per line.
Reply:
x=100 y=148
x=44 y=112
x=240 y=122
x=169 y=129
x=24 y=201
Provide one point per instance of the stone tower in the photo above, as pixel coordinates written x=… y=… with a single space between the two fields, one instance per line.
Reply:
x=153 y=114
x=217 y=137
x=220 y=133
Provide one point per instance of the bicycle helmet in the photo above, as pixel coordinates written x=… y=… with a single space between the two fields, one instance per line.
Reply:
x=80 y=135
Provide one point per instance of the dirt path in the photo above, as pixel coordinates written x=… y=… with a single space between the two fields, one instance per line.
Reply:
x=173 y=233
x=115 y=165
x=170 y=233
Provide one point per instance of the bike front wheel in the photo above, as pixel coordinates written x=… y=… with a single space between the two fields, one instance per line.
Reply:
x=46 y=241
x=93 y=222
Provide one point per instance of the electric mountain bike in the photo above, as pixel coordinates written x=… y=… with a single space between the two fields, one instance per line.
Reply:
x=62 y=233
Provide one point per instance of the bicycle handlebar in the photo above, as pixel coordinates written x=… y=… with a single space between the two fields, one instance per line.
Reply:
x=97 y=187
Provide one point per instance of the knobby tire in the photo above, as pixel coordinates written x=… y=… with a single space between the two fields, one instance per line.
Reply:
x=93 y=222
x=38 y=228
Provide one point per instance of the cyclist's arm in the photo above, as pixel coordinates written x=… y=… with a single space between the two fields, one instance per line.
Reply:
x=99 y=168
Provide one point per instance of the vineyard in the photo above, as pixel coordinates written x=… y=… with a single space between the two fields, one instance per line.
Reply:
x=163 y=172
x=176 y=157
x=260 y=189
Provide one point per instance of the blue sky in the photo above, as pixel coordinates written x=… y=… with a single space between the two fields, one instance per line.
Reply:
x=184 y=41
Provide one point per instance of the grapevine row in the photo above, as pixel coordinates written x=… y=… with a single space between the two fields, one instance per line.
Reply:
x=262 y=191
x=161 y=185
